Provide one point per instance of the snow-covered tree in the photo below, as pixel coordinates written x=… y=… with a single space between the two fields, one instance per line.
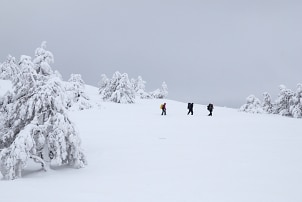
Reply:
x=118 y=89
x=122 y=91
x=267 y=103
x=76 y=97
x=296 y=101
x=9 y=68
x=164 y=89
x=283 y=102
x=288 y=103
x=36 y=125
x=104 y=89
x=139 y=88
x=253 y=105
x=43 y=59
x=160 y=93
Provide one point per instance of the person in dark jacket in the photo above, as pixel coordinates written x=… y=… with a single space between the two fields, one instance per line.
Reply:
x=164 y=110
x=210 y=107
x=190 y=108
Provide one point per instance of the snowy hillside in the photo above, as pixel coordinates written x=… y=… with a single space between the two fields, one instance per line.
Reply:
x=136 y=155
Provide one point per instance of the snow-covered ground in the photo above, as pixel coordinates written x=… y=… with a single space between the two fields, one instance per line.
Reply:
x=136 y=155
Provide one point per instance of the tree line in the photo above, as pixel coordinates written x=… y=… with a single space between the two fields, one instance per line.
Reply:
x=288 y=103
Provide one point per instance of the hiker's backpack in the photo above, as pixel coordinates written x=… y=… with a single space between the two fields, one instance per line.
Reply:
x=161 y=106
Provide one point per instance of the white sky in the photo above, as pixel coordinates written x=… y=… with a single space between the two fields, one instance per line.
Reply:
x=206 y=51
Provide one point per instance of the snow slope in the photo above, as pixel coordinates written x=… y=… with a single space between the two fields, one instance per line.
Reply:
x=137 y=155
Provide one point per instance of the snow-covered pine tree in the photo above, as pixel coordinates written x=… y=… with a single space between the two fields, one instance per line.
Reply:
x=283 y=102
x=9 y=68
x=36 y=125
x=43 y=59
x=104 y=89
x=160 y=93
x=253 y=105
x=121 y=89
x=164 y=90
x=267 y=103
x=139 y=87
x=77 y=99
x=296 y=101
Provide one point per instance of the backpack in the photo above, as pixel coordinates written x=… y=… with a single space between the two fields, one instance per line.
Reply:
x=161 y=106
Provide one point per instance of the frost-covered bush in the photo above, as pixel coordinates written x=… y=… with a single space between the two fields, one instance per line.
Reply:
x=253 y=105
x=36 y=125
x=77 y=99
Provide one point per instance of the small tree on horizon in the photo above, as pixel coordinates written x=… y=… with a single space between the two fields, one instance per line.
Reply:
x=296 y=101
x=118 y=89
x=267 y=103
x=76 y=96
x=139 y=88
x=104 y=89
x=160 y=93
x=253 y=105
x=122 y=91
x=283 y=102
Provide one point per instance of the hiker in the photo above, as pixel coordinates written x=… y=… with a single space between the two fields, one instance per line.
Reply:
x=210 y=107
x=190 y=108
x=163 y=108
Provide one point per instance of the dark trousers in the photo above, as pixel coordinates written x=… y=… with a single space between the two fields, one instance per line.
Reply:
x=190 y=111
x=210 y=114
x=164 y=112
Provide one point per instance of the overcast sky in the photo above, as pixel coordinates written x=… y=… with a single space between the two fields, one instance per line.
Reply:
x=216 y=51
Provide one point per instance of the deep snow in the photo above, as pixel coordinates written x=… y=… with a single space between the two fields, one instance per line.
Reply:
x=136 y=155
